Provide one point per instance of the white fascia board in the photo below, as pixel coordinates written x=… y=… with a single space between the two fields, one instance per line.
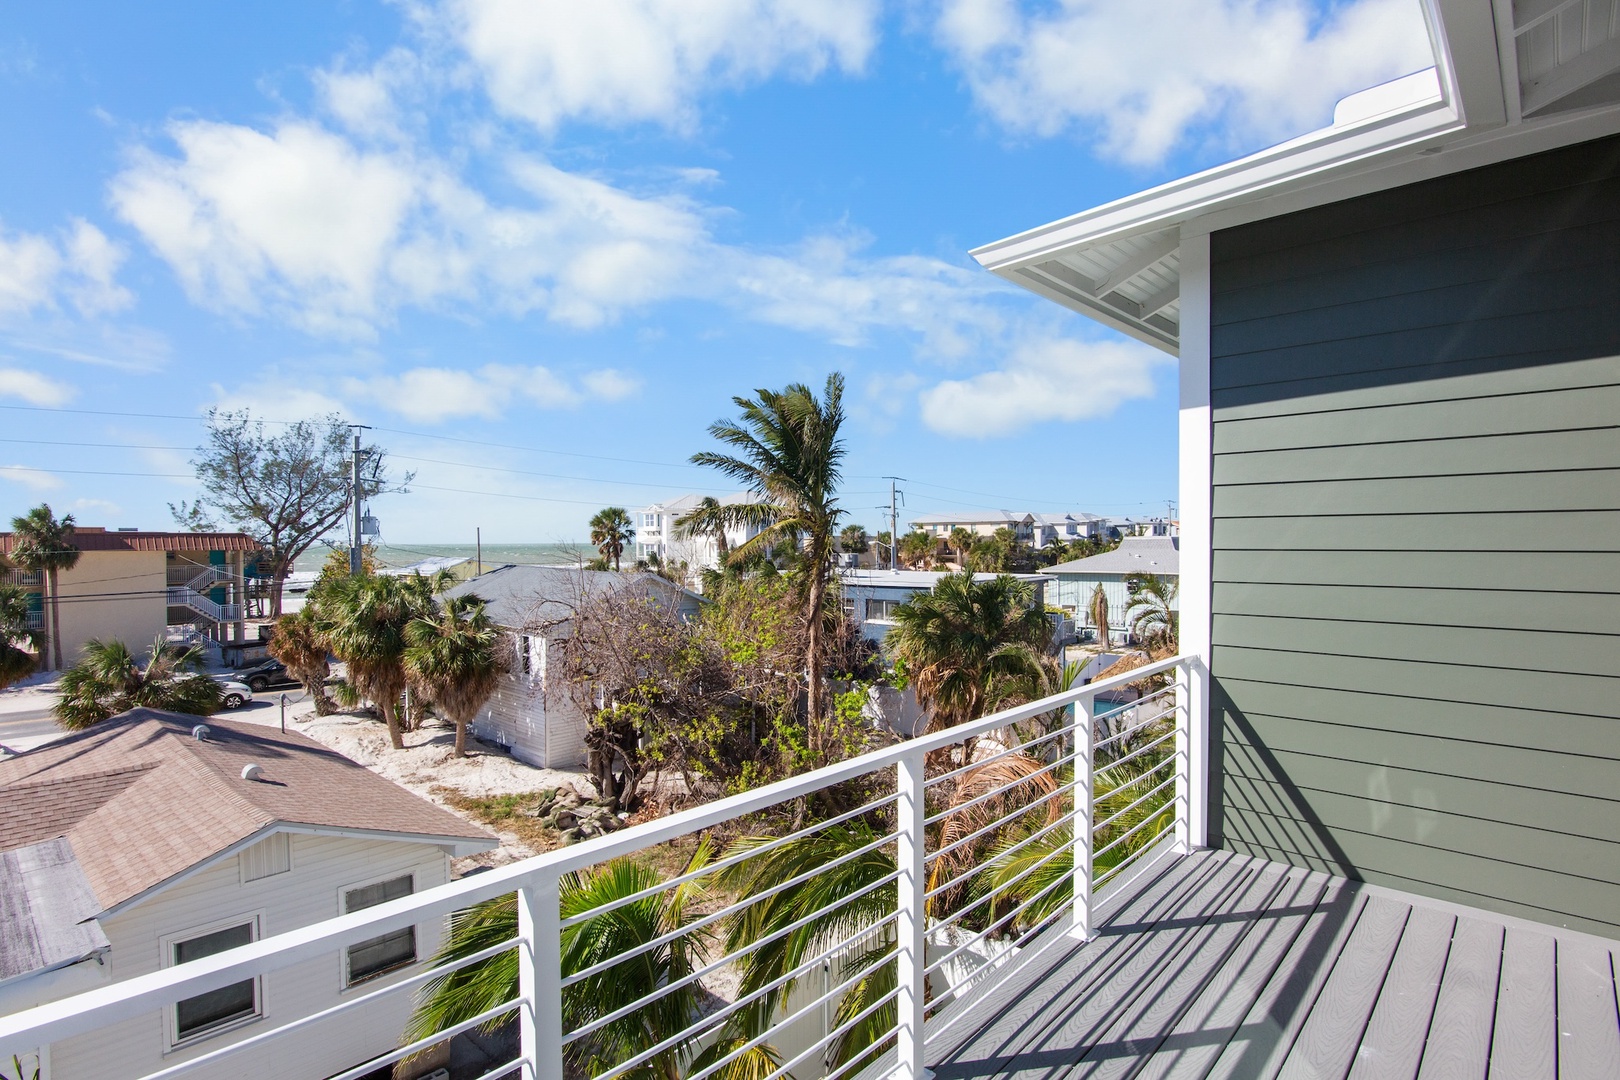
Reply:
x=1091 y=308
x=1247 y=179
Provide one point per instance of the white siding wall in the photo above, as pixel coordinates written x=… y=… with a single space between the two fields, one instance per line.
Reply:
x=1074 y=591
x=309 y=892
x=518 y=716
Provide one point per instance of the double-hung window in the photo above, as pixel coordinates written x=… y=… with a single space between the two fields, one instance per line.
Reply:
x=216 y=1009
x=387 y=952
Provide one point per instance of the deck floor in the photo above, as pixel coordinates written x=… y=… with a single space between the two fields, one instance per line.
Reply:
x=1218 y=965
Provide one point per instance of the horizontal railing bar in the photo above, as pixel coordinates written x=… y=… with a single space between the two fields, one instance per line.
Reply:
x=1013 y=913
x=1000 y=821
x=437 y=1037
x=1134 y=856
x=725 y=863
x=956 y=916
x=981 y=762
x=729 y=958
x=977 y=799
x=1104 y=744
x=425 y=975
x=1138 y=801
x=1065 y=819
x=782 y=1069
x=523 y=1064
x=21 y=1031
x=1133 y=830
x=715 y=916
x=1138 y=752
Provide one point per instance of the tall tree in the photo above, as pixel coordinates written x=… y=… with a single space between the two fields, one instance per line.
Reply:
x=453 y=660
x=1098 y=609
x=611 y=530
x=362 y=620
x=788 y=452
x=853 y=538
x=285 y=490
x=42 y=541
x=965 y=636
x=1151 y=613
x=108 y=680
x=961 y=540
x=707 y=518
x=297 y=643
x=19 y=643
x=916 y=548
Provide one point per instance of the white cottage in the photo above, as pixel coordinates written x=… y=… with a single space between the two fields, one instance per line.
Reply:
x=1114 y=570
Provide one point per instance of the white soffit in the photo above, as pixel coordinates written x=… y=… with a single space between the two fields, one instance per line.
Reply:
x=1119 y=263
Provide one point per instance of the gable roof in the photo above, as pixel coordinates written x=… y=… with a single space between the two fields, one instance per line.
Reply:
x=1159 y=555
x=980 y=517
x=142 y=801
x=522 y=597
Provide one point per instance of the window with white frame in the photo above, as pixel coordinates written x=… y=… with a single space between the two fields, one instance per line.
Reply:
x=525 y=654
x=227 y=1006
x=386 y=952
x=881 y=609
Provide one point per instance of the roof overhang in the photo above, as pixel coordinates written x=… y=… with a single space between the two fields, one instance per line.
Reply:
x=1511 y=77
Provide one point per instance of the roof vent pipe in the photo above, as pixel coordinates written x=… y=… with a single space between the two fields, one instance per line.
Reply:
x=252 y=771
x=200 y=733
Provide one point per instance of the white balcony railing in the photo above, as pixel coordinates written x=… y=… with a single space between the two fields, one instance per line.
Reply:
x=35 y=620
x=955 y=906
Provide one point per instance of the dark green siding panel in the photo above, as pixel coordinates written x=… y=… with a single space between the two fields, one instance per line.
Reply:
x=1532 y=729
x=1549 y=573
x=1485 y=607
x=1416 y=431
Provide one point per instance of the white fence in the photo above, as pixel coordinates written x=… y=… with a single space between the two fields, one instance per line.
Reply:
x=932 y=814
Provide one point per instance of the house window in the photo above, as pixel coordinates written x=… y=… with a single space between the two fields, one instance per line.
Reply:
x=881 y=609
x=849 y=608
x=379 y=955
x=197 y=1016
x=525 y=657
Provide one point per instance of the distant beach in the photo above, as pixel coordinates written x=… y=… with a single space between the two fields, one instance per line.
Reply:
x=494 y=554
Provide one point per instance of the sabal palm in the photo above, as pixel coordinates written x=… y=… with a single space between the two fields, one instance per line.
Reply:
x=42 y=541
x=1098 y=610
x=1152 y=616
x=960 y=640
x=611 y=530
x=837 y=905
x=915 y=548
x=477 y=988
x=789 y=453
x=961 y=540
x=298 y=644
x=707 y=518
x=853 y=538
x=18 y=642
x=362 y=620
x=107 y=680
x=453 y=660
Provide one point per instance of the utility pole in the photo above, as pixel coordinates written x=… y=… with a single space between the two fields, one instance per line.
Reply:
x=478 y=536
x=894 y=523
x=355 y=539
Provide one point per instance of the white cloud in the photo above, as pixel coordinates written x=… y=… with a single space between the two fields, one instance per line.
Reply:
x=619 y=61
x=29 y=477
x=431 y=394
x=36 y=269
x=34 y=388
x=98 y=507
x=1052 y=379
x=287 y=402
x=1143 y=77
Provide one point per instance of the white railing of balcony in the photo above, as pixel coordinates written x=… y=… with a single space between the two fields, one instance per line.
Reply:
x=1079 y=811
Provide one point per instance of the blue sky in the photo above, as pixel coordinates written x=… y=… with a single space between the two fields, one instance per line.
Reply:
x=554 y=239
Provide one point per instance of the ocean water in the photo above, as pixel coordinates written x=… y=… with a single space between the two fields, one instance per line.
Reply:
x=494 y=554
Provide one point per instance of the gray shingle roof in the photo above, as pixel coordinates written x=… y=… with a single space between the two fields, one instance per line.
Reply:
x=532 y=597
x=47 y=910
x=1159 y=555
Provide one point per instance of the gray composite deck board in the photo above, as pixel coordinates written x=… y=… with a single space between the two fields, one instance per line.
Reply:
x=1222 y=965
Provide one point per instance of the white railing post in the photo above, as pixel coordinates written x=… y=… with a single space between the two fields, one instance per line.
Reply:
x=1188 y=690
x=1198 y=683
x=1084 y=736
x=540 y=977
x=911 y=921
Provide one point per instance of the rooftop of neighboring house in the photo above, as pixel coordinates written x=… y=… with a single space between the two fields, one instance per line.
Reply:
x=913 y=579
x=1056 y=520
x=978 y=517
x=1159 y=555
x=141 y=801
x=532 y=597
x=96 y=538
x=690 y=502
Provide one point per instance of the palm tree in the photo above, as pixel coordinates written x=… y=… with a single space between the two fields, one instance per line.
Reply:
x=460 y=995
x=831 y=907
x=790 y=455
x=362 y=620
x=1098 y=610
x=853 y=538
x=611 y=530
x=453 y=661
x=42 y=541
x=965 y=636
x=107 y=680
x=961 y=540
x=16 y=661
x=1151 y=614
x=298 y=644
x=916 y=547
x=707 y=518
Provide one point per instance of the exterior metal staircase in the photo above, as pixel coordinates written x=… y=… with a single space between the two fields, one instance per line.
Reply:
x=189 y=593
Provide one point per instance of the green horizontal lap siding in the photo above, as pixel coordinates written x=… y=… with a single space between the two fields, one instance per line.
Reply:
x=1416 y=566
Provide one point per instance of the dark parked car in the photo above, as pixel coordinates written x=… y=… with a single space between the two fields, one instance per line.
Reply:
x=267 y=675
